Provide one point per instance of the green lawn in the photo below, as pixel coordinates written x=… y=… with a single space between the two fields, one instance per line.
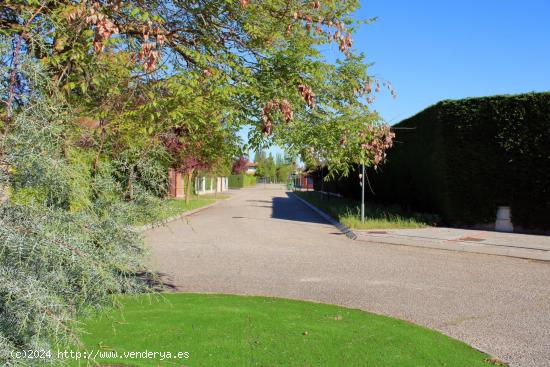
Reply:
x=348 y=212
x=225 y=331
x=172 y=207
x=175 y=207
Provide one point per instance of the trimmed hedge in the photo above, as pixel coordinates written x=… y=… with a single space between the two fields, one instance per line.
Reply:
x=461 y=159
x=242 y=180
x=347 y=186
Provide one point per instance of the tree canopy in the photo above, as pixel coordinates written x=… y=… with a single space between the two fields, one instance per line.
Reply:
x=99 y=98
x=145 y=69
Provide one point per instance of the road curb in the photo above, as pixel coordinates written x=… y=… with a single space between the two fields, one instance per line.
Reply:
x=146 y=227
x=435 y=245
x=342 y=228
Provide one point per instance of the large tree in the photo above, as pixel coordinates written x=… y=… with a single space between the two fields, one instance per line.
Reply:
x=262 y=55
x=99 y=97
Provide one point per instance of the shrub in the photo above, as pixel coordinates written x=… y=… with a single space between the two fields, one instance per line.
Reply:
x=63 y=247
x=242 y=180
x=249 y=181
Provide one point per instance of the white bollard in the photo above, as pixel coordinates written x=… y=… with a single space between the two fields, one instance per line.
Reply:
x=504 y=220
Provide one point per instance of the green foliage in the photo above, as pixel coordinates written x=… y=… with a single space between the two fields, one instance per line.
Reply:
x=243 y=55
x=334 y=131
x=242 y=180
x=348 y=212
x=84 y=128
x=283 y=171
x=62 y=249
x=249 y=180
x=52 y=264
x=80 y=161
x=142 y=168
x=265 y=167
x=464 y=158
x=173 y=207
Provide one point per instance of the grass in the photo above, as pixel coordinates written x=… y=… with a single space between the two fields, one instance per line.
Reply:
x=172 y=207
x=348 y=212
x=222 y=330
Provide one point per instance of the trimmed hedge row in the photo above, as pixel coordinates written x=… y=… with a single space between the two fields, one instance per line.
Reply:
x=461 y=159
x=347 y=186
x=242 y=180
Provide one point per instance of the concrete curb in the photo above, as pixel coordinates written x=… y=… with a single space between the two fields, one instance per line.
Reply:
x=461 y=247
x=490 y=250
x=342 y=228
x=146 y=227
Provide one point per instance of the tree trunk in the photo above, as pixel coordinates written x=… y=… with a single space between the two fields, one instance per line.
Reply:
x=130 y=186
x=189 y=178
x=3 y=185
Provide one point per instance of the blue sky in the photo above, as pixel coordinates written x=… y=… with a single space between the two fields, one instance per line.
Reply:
x=433 y=50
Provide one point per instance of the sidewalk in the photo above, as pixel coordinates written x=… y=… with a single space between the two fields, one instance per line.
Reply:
x=484 y=242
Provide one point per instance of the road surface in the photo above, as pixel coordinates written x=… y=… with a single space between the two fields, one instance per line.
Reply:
x=264 y=242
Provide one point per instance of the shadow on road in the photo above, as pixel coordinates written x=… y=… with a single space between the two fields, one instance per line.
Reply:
x=289 y=208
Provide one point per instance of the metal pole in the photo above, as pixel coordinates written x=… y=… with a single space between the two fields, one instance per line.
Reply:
x=363 y=194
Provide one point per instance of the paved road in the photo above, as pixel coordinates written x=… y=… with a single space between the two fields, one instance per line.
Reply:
x=262 y=242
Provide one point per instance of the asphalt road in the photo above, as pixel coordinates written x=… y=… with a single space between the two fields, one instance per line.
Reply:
x=263 y=242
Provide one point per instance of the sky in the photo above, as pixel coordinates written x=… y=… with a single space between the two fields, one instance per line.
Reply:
x=434 y=50
x=431 y=50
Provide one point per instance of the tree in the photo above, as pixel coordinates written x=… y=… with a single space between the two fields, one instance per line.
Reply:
x=208 y=149
x=240 y=165
x=265 y=54
x=283 y=171
x=137 y=87
x=271 y=168
x=266 y=167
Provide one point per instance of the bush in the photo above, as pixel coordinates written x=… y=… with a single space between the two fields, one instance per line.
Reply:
x=462 y=159
x=249 y=181
x=63 y=245
x=242 y=180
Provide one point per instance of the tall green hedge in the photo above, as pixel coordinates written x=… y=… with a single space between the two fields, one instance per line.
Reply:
x=242 y=180
x=461 y=159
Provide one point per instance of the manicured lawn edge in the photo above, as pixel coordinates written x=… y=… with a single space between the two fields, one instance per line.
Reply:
x=342 y=228
x=297 y=319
